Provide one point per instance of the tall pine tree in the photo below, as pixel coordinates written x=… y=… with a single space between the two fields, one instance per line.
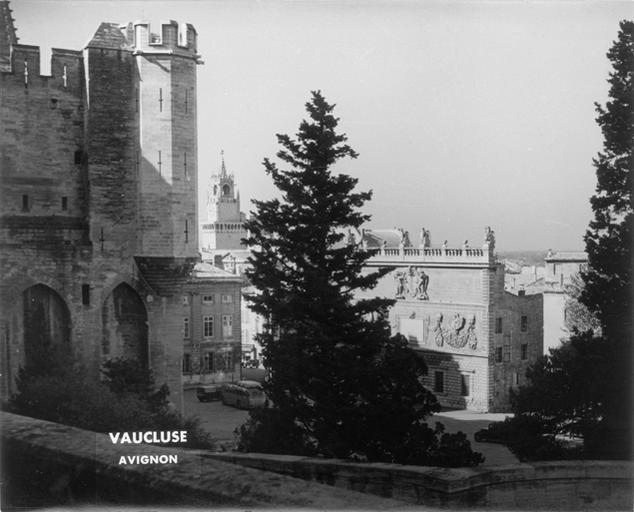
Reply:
x=584 y=388
x=339 y=384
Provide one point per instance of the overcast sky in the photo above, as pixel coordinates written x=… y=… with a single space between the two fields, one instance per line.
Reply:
x=465 y=113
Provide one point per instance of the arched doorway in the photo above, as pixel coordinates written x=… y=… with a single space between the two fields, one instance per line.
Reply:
x=124 y=326
x=46 y=321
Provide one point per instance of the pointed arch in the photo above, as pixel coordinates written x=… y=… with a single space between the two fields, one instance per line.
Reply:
x=46 y=320
x=124 y=326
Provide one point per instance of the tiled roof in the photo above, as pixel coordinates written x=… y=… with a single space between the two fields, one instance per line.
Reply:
x=109 y=36
x=374 y=238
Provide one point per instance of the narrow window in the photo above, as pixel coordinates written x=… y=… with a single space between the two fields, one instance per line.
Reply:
x=64 y=203
x=208 y=299
x=439 y=382
x=498 y=355
x=516 y=379
x=186 y=327
x=227 y=326
x=187 y=363
x=524 y=323
x=85 y=294
x=498 y=325
x=65 y=78
x=25 y=202
x=160 y=163
x=186 y=98
x=465 y=381
x=78 y=157
x=524 y=351
x=208 y=326
x=160 y=100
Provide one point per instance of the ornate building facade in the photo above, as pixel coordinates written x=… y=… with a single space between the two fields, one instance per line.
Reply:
x=476 y=339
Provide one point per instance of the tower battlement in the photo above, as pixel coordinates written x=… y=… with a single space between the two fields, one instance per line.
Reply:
x=169 y=37
x=66 y=67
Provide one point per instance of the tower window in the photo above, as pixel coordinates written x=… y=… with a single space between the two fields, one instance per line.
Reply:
x=498 y=325
x=524 y=351
x=78 y=157
x=25 y=202
x=85 y=294
x=64 y=203
x=186 y=327
x=524 y=323
x=225 y=190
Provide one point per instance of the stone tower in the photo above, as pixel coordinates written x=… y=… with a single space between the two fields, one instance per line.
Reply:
x=142 y=138
x=225 y=222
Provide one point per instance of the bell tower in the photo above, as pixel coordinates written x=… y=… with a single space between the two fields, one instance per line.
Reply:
x=225 y=222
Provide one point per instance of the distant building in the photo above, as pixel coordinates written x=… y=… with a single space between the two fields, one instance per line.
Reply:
x=211 y=326
x=222 y=246
x=560 y=268
x=476 y=339
x=224 y=227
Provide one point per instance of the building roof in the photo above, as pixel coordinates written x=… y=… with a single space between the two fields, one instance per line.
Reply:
x=204 y=270
x=109 y=36
x=374 y=238
x=575 y=256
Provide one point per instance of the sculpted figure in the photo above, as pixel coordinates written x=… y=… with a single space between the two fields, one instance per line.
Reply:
x=437 y=330
x=489 y=237
x=422 y=282
x=401 y=284
x=471 y=337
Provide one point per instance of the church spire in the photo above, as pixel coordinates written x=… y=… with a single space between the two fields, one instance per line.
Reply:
x=7 y=36
x=223 y=169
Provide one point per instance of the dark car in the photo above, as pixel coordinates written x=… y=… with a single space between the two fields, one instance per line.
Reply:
x=495 y=433
x=209 y=392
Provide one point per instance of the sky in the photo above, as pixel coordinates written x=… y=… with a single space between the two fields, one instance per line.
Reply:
x=465 y=114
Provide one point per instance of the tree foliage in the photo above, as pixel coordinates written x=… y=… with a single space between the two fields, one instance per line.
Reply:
x=578 y=317
x=340 y=385
x=52 y=386
x=584 y=388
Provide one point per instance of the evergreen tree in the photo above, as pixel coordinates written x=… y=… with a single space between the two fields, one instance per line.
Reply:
x=339 y=384
x=608 y=280
x=584 y=388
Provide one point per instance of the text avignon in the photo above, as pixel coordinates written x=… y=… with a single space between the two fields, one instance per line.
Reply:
x=155 y=437
x=149 y=459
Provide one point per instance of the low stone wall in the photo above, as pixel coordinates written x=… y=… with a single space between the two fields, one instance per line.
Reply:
x=46 y=464
x=561 y=485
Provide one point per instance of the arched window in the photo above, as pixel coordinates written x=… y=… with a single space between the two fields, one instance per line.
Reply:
x=226 y=190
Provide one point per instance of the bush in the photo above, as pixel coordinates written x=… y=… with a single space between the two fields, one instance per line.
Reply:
x=270 y=430
x=54 y=389
x=529 y=439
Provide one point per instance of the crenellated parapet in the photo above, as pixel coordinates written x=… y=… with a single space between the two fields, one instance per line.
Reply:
x=169 y=37
x=66 y=68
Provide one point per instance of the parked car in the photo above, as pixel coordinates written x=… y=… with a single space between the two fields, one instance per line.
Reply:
x=209 y=392
x=496 y=432
x=244 y=394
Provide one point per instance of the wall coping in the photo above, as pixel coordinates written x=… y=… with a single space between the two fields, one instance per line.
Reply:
x=450 y=480
x=196 y=478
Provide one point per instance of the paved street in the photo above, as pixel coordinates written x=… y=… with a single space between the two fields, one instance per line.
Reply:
x=221 y=420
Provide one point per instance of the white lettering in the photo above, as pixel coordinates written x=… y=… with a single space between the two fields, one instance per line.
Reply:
x=114 y=436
